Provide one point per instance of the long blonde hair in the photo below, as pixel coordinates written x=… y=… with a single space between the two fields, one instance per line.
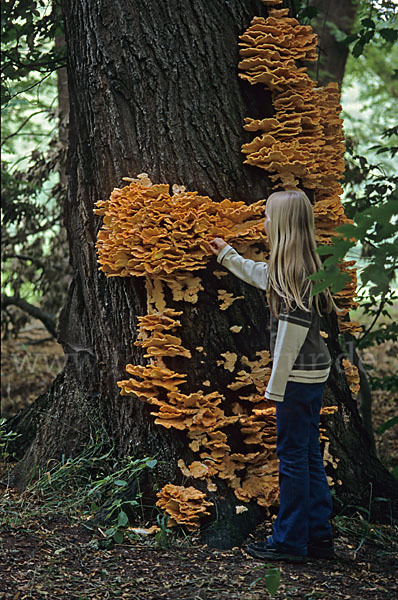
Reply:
x=292 y=253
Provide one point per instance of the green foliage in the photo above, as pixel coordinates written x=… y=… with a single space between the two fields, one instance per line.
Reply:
x=372 y=204
x=82 y=485
x=6 y=438
x=271 y=578
x=110 y=491
x=387 y=425
x=370 y=187
x=28 y=28
x=371 y=76
x=305 y=12
x=163 y=536
x=359 y=527
x=375 y=22
x=388 y=383
x=35 y=264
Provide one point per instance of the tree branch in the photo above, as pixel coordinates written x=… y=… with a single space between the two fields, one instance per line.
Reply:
x=36 y=261
x=38 y=112
x=369 y=329
x=34 y=311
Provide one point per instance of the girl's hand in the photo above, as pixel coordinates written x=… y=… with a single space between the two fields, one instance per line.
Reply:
x=217 y=245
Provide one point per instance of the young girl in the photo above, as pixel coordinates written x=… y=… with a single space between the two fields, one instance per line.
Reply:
x=301 y=365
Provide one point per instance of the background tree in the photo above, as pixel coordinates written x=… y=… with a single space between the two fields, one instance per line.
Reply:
x=154 y=89
x=34 y=249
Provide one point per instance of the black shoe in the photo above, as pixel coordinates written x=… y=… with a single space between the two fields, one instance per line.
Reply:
x=265 y=552
x=321 y=548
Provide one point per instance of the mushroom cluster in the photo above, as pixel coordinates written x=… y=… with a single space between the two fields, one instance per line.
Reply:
x=352 y=375
x=345 y=298
x=153 y=338
x=303 y=142
x=153 y=378
x=202 y=415
x=147 y=231
x=351 y=327
x=184 y=505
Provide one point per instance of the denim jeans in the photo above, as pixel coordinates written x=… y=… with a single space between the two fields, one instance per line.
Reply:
x=305 y=500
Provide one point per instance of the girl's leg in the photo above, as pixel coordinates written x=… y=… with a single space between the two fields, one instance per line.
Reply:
x=320 y=502
x=293 y=418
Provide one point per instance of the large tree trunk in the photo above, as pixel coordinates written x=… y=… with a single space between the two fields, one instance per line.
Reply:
x=154 y=88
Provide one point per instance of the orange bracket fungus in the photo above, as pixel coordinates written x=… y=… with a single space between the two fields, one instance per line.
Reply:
x=352 y=375
x=162 y=235
x=148 y=231
x=303 y=142
x=185 y=506
x=227 y=299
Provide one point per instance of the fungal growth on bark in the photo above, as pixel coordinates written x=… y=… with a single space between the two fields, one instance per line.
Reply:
x=147 y=231
x=352 y=375
x=302 y=144
x=163 y=237
x=185 y=506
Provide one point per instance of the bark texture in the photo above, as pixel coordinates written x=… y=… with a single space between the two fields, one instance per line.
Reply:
x=153 y=88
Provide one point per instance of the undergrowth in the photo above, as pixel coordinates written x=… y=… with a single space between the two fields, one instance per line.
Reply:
x=81 y=488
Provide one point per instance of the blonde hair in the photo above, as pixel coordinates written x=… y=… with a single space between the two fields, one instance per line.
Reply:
x=292 y=254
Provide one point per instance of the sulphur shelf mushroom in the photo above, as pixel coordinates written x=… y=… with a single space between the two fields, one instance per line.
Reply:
x=184 y=505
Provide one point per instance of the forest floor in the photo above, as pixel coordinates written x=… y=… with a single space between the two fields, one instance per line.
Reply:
x=47 y=552
x=57 y=558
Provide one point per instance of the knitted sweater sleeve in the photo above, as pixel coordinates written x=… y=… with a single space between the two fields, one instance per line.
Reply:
x=252 y=272
x=292 y=327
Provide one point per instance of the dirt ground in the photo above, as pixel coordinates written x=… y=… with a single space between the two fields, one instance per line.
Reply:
x=56 y=557
x=60 y=559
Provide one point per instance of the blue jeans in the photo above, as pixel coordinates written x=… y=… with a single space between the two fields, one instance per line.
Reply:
x=305 y=500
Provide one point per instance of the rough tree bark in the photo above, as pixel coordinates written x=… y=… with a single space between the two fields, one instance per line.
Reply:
x=154 y=88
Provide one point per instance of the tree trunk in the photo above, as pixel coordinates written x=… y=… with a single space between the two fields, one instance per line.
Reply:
x=63 y=109
x=334 y=17
x=154 y=88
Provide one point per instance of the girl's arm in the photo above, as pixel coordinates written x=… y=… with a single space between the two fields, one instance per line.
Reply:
x=250 y=271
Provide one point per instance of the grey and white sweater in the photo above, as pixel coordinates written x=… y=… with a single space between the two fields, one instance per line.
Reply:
x=299 y=352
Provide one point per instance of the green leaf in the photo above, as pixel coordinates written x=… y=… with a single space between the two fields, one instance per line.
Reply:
x=387 y=425
x=120 y=482
x=253 y=583
x=151 y=463
x=350 y=38
x=118 y=536
x=319 y=287
x=109 y=532
x=318 y=276
x=122 y=519
x=339 y=281
x=367 y=22
x=273 y=580
x=322 y=250
x=390 y=35
x=347 y=230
